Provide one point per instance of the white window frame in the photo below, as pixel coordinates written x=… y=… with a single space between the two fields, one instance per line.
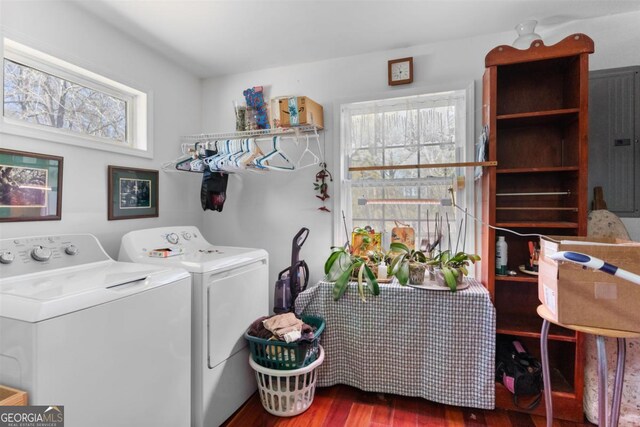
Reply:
x=464 y=199
x=138 y=141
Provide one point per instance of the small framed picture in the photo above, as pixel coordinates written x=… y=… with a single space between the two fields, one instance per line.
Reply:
x=133 y=193
x=30 y=186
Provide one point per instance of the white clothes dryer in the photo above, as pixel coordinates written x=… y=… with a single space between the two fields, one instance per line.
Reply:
x=230 y=290
x=107 y=340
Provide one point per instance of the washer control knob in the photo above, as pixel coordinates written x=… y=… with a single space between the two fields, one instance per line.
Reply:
x=71 y=250
x=186 y=235
x=7 y=257
x=40 y=253
x=173 y=238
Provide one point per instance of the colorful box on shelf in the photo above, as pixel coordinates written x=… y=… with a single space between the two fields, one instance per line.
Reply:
x=300 y=110
x=587 y=297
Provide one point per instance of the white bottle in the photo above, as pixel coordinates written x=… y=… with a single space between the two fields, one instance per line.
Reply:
x=501 y=256
x=382 y=271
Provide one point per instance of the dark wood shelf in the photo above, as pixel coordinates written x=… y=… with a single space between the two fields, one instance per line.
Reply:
x=537 y=114
x=530 y=326
x=536 y=208
x=539 y=170
x=518 y=278
x=537 y=224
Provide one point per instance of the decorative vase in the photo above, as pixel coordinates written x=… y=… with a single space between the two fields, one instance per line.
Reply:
x=526 y=34
x=416 y=272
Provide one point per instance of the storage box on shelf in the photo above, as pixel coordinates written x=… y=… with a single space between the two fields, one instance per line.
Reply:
x=12 y=397
x=535 y=105
x=576 y=296
x=300 y=110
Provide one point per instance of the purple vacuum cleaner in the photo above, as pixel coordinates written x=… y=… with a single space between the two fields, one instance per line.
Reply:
x=293 y=279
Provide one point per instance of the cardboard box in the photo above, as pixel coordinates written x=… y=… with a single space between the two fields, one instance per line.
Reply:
x=12 y=397
x=587 y=297
x=299 y=111
x=165 y=252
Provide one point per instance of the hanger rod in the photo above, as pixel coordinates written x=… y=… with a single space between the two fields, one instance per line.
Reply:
x=250 y=133
x=426 y=166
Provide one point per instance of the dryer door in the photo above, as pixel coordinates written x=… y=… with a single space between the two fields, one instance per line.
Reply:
x=235 y=298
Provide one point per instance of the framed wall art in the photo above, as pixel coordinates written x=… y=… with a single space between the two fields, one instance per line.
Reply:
x=133 y=193
x=30 y=186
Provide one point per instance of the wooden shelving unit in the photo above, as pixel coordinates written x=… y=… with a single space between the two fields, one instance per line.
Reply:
x=535 y=105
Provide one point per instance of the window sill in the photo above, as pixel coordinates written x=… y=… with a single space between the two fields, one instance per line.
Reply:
x=8 y=127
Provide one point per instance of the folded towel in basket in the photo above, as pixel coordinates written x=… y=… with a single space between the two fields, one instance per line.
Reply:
x=282 y=324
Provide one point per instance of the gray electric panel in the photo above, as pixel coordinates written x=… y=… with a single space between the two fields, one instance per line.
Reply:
x=614 y=133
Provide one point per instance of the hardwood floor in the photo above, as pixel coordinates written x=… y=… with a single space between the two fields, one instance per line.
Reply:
x=347 y=406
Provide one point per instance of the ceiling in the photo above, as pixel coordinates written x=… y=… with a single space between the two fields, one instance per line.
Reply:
x=214 y=37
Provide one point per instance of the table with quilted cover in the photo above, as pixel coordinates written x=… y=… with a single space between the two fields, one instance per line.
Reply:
x=437 y=345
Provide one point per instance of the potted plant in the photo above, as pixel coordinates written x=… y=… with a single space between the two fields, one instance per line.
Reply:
x=450 y=270
x=342 y=265
x=364 y=240
x=408 y=265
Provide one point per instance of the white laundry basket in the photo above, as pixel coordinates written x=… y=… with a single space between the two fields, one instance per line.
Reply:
x=287 y=393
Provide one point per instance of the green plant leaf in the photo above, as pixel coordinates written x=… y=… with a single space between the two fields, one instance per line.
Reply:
x=339 y=265
x=403 y=273
x=464 y=270
x=342 y=283
x=450 y=278
x=395 y=262
x=360 y=285
x=418 y=256
x=332 y=258
x=372 y=282
x=399 y=247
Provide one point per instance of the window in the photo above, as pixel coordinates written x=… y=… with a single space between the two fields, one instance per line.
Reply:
x=47 y=98
x=423 y=129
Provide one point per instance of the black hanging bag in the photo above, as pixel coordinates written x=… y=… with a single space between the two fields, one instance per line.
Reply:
x=520 y=372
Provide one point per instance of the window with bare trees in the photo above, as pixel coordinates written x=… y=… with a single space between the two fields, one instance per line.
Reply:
x=45 y=94
x=413 y=130
x=36 y=97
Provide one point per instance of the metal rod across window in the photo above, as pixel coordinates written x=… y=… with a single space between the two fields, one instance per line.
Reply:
x=425 y=166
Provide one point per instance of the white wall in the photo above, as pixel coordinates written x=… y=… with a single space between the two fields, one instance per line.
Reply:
x=64 y=30
x=266 y=211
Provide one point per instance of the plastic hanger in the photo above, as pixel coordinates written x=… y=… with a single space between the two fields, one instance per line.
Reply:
x=237 y=149
x=261 y=162
x=211 y=161
x=239 y=162
x=249 y=162
x=314 y=157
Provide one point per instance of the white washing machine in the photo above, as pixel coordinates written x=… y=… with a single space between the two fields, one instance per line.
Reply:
x=108 y=340
x=230 y=290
